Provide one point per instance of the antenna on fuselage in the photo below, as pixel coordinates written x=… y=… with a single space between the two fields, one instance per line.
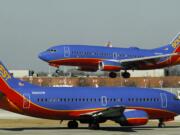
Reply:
x=109 y=44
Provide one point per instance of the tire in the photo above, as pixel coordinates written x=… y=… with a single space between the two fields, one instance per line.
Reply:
x=112 y=75
x=72 y=125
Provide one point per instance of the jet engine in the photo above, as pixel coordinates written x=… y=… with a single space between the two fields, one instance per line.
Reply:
x=133 y=118
x=109 y=66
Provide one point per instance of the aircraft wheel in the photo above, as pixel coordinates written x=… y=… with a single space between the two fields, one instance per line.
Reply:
x=73 y=124
x=112 y=75
x=161 y=125
x=125 y=74
x=94 y=126
x=57 y=71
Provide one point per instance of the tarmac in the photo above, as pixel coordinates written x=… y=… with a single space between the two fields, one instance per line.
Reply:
x=14 y=124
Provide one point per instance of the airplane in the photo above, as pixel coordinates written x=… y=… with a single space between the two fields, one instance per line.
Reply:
x=112 y=59
x=126 y=106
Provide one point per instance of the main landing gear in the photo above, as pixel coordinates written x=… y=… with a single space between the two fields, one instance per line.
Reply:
x=73 y=124
x=125 y=74
x=112 y=75
x=161 y=124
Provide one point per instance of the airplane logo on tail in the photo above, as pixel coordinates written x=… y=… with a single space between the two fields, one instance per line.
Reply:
x=3 y=73
x=176 y=42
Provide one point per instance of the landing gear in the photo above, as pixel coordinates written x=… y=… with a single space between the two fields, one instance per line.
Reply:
x=112 y=75
x=125 y=74
x=57 y=71
x=94 y=126
x=161 y=124
x=72 y=124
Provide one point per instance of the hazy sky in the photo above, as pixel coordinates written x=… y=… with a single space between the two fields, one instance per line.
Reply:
x=28 y=27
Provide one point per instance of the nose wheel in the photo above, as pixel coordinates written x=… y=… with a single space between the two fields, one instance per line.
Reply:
x=73 y=124
x=57 y=71
x=161 y=124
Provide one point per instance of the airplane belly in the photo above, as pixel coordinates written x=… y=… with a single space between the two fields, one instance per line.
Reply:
x=77 y=62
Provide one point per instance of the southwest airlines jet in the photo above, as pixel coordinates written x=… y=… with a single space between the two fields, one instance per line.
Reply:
x=93 y=58
x=123 y=105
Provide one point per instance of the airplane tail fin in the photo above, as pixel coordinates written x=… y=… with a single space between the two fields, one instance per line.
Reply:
x=6 y=79
x=4 y=73
x=175 y=43
x=172 y=47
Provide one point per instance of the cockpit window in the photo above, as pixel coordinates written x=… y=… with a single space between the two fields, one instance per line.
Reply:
x=51 y=50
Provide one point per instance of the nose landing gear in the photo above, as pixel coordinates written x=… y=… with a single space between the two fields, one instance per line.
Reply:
x=57 y=71
x=161 y=124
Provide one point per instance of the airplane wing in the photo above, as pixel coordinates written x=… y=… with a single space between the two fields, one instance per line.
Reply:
x=119 y=114
x=108 y=113
x=135 y=62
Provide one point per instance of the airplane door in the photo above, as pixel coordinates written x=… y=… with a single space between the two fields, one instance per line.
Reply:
x=104 y=100
x=163 y=100
x=26 y=101
x=66 y=51
x=115 y=55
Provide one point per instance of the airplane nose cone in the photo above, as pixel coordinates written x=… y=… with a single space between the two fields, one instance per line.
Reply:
x=43 y=56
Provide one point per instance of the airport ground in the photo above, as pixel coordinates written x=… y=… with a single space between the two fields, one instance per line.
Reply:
x=14 y=124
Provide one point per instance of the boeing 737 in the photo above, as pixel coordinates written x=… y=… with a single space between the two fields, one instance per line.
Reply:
x=112 y=59
x=123 y=105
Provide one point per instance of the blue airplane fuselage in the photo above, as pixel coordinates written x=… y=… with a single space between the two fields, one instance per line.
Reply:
x=70 y=103
x=89 y=57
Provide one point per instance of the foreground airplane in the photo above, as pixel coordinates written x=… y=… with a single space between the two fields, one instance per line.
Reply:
x=93 y=58
x=123 y=105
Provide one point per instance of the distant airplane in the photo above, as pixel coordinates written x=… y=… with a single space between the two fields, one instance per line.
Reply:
x=123 y=105
x=93 y=58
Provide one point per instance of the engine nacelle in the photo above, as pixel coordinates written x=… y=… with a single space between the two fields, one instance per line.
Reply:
x=133 y=118
x=109 y=66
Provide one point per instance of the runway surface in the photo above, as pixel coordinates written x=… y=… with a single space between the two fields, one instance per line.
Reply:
x=13 y=124
x=173 y=129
